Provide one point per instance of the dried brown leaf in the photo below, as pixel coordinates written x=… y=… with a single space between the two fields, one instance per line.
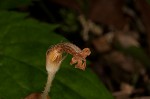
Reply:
x=126 y=88
x=103 y=44
x=108 y=12
x=127 y=40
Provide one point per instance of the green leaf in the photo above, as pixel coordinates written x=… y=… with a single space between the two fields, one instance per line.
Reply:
x=23 y=44
x=11 y=4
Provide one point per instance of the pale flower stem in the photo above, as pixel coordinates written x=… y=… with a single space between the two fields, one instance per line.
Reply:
x=50 y=78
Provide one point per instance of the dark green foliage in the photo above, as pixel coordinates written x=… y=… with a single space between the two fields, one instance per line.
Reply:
x=23 y=44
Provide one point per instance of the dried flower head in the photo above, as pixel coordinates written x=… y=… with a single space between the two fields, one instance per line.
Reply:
x=79 y=56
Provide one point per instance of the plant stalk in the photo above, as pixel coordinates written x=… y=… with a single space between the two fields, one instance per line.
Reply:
x=48 y=85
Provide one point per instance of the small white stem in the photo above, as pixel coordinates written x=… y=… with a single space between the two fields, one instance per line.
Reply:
x=48 y=84
x=51 y=70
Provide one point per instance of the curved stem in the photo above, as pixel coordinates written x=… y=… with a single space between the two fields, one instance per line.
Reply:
x=50 y=78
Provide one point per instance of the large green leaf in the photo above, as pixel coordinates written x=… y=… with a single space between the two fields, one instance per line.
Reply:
x=23 y=43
